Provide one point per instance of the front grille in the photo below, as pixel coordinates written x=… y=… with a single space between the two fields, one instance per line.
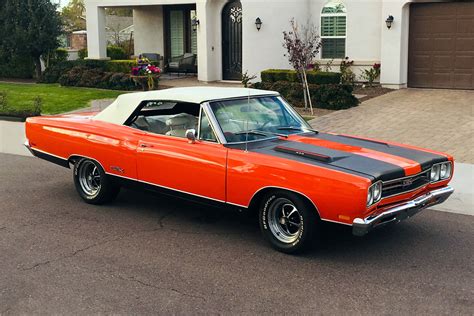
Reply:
x=406 y=184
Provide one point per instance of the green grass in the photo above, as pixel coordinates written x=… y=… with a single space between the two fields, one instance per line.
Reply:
x=56 y=99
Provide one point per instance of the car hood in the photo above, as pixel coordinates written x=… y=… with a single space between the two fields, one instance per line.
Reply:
x=369 y=158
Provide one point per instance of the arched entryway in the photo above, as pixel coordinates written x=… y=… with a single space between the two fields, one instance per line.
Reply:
x=232 y=41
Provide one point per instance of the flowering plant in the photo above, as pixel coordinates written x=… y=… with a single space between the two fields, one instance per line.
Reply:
x=371 y=74
x=145 y=69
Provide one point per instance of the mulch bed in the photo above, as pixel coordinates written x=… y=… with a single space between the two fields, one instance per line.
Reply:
x=370 y=92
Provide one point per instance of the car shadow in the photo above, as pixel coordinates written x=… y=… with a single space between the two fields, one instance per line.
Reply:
x=335 y=242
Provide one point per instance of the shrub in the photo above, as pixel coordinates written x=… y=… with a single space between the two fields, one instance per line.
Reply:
x=61 y=55
x=82 y=53
x=323 y=77
x=314 y=77
x=121 y=65
x=370 y=75
x=21 y=67
x=81 y=76
x=325 y=96
x=116 y=52
x=347 y=75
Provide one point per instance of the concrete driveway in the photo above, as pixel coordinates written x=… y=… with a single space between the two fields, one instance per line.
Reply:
x=146 y=254
x=438 y=119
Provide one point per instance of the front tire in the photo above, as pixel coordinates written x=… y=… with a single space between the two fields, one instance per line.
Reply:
x=287 y=221
x=92 y=183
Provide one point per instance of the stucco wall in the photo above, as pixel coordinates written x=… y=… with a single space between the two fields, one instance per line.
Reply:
x=148 y=34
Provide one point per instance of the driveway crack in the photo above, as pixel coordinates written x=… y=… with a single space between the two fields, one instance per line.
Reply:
x=133 y=279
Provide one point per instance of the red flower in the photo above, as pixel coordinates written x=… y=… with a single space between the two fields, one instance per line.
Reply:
x=376 y=66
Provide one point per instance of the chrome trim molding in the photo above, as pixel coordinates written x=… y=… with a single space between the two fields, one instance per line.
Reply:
x=401 y=212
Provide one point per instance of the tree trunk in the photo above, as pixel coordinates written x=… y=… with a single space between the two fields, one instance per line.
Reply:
x=303 y=83
x=38 y=72
x=305 y=79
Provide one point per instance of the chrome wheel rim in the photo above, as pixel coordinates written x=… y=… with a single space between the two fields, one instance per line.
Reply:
x=285 y=221
x=89 y=178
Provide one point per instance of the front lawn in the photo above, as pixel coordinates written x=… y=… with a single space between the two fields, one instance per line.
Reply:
x=55 y=99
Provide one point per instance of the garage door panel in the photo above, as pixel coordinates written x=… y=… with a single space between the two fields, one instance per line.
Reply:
x=463 y=81
x=465 y=45
x=444 y=44
x=441 y=45
x=465 y=25
x=444 y=25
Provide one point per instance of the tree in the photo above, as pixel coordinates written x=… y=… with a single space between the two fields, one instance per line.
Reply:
x=73 y=16
x=29 y=28
x=302 y=45
x=119 y=11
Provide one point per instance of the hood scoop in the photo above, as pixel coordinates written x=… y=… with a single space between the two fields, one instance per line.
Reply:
x=304 y=153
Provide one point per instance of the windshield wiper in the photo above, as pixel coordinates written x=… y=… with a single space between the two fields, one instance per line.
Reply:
x=261 y=133
x=297 y=128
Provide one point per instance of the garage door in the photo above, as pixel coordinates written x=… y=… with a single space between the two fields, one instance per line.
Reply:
x=441 y=46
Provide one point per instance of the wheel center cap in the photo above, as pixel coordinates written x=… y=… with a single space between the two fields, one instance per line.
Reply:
x=283 y=221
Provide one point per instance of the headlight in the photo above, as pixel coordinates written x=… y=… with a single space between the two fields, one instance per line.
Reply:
x=445 y=171
x=374 y=194
x=434 y=174
x=441 y=171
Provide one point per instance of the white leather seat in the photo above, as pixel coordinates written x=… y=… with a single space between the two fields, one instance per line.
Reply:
x=180 y=123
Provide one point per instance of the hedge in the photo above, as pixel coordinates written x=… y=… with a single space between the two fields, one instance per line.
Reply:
x=314 y=77
x=113 y=52
x=53 y=73
x=324 y=96
x=80 y=76
x=16 y=67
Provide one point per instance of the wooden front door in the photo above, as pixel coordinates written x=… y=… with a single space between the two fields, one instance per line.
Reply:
x=232 y=41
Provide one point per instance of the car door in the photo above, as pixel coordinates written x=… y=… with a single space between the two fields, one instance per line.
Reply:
x=173 y=162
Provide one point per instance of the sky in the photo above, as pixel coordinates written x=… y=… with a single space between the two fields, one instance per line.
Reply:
x=63 y=3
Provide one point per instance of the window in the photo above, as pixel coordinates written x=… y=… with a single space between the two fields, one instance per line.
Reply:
x=166 y=118
x=206 y=133
x=256 y=118
x=177 y=32
x=333 y=30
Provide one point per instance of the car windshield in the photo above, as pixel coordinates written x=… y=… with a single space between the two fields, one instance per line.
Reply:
x=257 y=118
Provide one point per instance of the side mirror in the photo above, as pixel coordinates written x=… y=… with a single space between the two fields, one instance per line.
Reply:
x=191 y=135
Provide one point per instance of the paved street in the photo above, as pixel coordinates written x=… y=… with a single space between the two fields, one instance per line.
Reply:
x=147 y=254
x=438 y=119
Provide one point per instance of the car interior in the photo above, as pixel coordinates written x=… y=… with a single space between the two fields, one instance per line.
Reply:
x=171 y=118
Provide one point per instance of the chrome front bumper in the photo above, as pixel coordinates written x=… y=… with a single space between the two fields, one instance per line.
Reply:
x=360 y=226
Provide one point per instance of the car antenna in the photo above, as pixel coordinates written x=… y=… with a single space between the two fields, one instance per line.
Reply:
x=247 y=124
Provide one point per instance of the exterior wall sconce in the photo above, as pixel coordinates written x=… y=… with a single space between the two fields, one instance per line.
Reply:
x=389 y=21
x=258 y=24
x=194 y=24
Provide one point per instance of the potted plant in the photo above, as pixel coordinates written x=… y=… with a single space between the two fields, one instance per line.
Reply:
x=146 y=74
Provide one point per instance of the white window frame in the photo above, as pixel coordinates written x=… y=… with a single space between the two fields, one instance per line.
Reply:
x=323 y=15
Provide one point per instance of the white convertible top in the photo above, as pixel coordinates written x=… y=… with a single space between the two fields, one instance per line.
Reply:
x=121 y=109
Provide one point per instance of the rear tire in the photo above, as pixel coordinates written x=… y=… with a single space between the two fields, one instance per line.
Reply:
x=92 y=183
x=287 y=221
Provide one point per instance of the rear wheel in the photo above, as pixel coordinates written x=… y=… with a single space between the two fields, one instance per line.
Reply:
x=92 y=182
x=287 y=221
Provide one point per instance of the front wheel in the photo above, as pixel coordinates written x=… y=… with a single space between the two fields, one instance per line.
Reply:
x=92 y=182
x=287 y=221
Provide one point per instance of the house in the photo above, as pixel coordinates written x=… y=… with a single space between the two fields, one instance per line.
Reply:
x=418 y=43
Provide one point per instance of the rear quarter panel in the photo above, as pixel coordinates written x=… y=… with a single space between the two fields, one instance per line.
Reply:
x=67 y=136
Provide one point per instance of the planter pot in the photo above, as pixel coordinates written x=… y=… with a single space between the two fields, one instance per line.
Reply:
x=147 y=82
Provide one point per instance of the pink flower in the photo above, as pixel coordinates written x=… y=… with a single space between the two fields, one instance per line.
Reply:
x=377 y=66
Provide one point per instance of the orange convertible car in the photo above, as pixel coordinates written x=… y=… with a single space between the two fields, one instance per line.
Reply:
x=246 y=149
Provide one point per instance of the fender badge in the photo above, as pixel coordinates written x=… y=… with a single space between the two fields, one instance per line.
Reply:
x=118 y=169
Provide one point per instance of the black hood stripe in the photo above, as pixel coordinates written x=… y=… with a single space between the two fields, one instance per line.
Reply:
x=366 y=167
x=425 y=159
